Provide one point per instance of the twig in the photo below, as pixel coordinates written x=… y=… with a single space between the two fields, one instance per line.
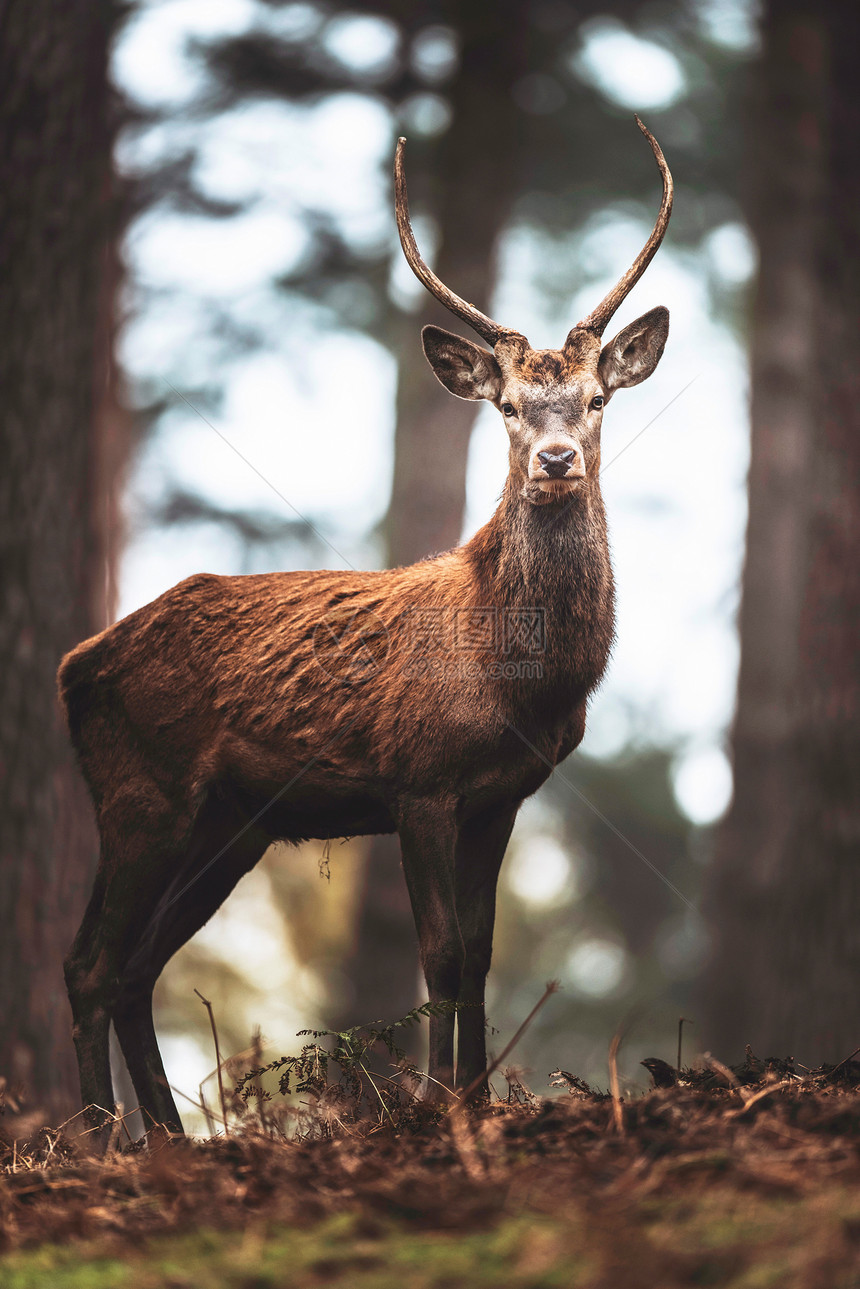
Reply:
x=552 y=987
x=614 y=1087
x=757 y=1096
x=210 y=1115
x=845 y=1061
x=85 y=1110
x=122 y=1120
x=464 y=1143
x=206 y=1003
x=115 y=1130
x=210 y=1122
x=158 y=1134
x=122 y=1114
x=440 y=1084
x=366 y=1071
x=257 y=1057
x=116 y=1121
x=682 y=1020
x=713 y=1064
x=387 y=1079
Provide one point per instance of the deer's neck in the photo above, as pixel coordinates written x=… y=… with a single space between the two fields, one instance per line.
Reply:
x=554 y=560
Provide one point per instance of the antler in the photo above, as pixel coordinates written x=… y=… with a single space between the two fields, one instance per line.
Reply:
x=598 y=319
x=485 y=327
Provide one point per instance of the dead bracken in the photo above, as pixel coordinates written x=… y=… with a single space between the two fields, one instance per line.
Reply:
x=769 y=1127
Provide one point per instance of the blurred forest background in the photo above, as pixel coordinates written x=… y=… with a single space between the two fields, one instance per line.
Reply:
x=211 y=362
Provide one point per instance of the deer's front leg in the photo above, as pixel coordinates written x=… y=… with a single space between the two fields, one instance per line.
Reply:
x=480 y=851
x=428 y=837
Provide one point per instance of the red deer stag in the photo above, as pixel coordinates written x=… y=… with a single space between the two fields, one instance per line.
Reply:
x=431 y=700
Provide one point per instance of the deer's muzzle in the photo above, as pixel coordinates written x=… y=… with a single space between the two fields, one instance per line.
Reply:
x=557 y=461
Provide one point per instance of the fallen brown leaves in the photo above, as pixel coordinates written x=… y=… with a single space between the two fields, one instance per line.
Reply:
x=782 y=1136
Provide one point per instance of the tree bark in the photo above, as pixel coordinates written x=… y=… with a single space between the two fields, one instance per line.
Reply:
x=59 y=438
x=785 y=891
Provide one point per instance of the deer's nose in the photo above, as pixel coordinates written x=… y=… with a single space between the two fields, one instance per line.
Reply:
x=557 y=464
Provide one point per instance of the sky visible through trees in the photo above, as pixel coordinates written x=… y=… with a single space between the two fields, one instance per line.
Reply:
x=204 y=314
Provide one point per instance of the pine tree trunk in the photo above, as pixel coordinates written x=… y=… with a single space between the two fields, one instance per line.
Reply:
x=785 y=894
x=59 y=445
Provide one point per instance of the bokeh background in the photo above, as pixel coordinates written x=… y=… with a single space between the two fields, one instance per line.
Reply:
x=271 y=322
x=267 y=406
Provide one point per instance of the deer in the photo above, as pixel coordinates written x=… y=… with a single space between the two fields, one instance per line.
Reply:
x=431 y=700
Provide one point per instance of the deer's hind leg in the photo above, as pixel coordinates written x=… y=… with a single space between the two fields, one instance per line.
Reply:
x=142 y=836
x=222 y=848
x=88 y=972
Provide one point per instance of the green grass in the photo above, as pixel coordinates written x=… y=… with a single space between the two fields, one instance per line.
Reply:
x=715 y=1236
x=522 y=1252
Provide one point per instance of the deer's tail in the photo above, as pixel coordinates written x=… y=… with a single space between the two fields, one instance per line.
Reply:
x=80 y=682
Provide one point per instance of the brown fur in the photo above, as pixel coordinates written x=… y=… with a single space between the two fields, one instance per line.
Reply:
x=225 y=715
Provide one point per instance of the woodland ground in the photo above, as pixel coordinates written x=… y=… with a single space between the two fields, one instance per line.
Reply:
x=744 y=1179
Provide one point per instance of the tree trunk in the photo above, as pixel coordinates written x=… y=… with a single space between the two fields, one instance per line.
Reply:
x=785 y=892
x=471 y=174
x=59 y=445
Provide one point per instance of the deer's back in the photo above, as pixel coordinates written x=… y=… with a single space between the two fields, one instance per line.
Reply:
x=317 y=680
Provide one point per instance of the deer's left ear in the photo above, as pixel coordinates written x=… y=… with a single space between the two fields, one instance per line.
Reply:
x=634 y=353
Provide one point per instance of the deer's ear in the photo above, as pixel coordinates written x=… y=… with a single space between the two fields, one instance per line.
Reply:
x=634 y=353
x=465 y=369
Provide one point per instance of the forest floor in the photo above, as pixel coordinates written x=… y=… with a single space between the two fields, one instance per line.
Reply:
x=743 y=1180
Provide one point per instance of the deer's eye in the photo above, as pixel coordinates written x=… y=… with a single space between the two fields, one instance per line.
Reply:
x=597 y=402
x=508 y=409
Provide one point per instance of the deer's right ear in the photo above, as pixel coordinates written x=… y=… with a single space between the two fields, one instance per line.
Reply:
x=465 y=369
